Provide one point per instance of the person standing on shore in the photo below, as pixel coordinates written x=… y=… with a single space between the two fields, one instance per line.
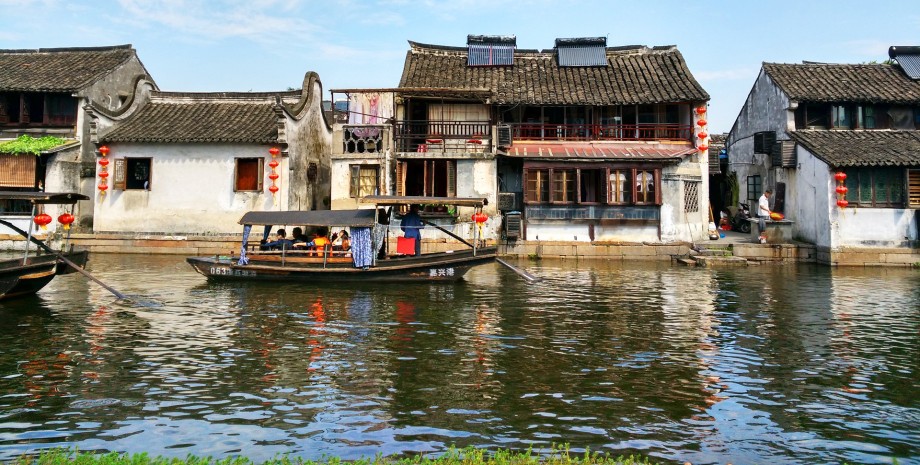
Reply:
x=763 y=213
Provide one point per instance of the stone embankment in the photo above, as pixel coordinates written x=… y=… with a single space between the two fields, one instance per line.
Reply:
x=702 y=254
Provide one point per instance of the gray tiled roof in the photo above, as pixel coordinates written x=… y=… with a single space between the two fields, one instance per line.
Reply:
x=635 y=75
x=59 y=69
x=818 y=82
x=202 y=117
x=862 y=148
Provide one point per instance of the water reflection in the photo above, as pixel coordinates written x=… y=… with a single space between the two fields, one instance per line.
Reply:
x=790 y=364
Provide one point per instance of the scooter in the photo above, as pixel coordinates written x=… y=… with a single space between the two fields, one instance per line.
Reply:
x=740 y=220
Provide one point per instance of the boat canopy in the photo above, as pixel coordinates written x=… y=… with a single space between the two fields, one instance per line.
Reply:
x=43 y=197
x=409 y=200
x=357 y=218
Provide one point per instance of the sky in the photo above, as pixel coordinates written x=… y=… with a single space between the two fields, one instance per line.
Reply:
x=268 y=45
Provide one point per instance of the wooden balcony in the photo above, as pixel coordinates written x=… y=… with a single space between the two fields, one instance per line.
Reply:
x=428 y=136
x=600 y=132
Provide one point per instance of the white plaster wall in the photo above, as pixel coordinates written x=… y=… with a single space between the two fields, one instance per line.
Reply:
x=478 y=178
x=191 y=190
x=809 y=204
x=873 y=227
x=341 y=181
x=766 y=108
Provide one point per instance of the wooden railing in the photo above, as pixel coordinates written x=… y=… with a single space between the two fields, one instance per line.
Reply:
x=443 y=136
x=599 y=132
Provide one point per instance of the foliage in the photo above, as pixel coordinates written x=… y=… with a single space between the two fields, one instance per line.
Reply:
x=28 y=144
x=454 y=456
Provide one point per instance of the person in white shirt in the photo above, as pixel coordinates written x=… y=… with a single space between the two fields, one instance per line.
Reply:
x=763 y=210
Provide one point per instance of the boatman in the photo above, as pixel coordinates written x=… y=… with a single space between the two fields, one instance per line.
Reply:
x=412 y=227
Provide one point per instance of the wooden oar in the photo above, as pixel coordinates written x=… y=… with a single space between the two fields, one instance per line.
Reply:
x=62 y=258
x=527 y=276
x=447 y=232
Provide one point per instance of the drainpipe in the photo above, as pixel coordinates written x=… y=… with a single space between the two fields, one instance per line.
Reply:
x=386 y=172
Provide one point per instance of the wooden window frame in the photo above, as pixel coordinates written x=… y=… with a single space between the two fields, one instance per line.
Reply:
x=857 y=175
x=756 y=187
x=540 y=176
x=629 y=174
x=567 y=181
x=656 y=182
x=260 y=174
x=354 y=181
x=120 y=177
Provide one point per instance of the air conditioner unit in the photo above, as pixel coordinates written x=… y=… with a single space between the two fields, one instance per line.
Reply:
x=513 y=225
x=507 y=201
x=504 y=135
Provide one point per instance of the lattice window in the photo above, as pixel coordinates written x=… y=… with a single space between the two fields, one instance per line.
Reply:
x=362 y=139
x=691 y=196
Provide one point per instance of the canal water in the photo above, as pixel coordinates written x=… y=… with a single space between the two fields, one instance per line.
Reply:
x=765 y=364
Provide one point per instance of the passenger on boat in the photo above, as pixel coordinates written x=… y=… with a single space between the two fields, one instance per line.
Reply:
x=281 y=242
x=319 y=241
x=298 y=237
x=341 y=241
x=412 y=227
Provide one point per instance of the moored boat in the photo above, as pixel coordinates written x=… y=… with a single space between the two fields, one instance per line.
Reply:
x=362 y=261
x=29 y=274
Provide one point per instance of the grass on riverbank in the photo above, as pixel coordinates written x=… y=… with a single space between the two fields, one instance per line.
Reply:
x=467 y=456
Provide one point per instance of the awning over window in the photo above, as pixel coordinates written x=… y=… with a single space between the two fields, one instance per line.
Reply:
x=17 y=170
x=600 y=151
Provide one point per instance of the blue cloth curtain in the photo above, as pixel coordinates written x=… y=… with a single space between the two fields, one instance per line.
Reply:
x=361 y=247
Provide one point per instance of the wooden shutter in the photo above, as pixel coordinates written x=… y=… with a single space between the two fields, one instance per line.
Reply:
x=913 y=188
x=17 y=170
x=451 y=178
x=400 y=178
x=657 y=183
x=119 y=180
x=355 y=181
x=261 y=176
x=779 y=198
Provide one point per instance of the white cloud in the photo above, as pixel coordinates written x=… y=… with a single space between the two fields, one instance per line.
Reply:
x=869 y=47
x=257 y=20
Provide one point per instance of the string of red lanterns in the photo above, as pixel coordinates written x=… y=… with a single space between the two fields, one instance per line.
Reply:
x=274 y=151
x=700 y=111
x=103 y=169
x=841 y=189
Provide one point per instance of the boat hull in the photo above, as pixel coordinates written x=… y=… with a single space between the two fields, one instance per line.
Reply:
x=18 y=279
x=441 y=267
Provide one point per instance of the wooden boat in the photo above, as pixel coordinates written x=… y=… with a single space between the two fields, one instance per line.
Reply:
x=357 y=264
x=29 y=274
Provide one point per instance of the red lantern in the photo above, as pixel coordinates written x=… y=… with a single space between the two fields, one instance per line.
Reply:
x=103 y=187
x=104 y=174
x=273 y=188
x=42 y=219
x=273 y=163
x=840 y=176
x=702 y=135
x=701 y=122
x=274 y=151
x=104 y=162
x=65 y=219
x=273 y=176
x=700 y=110
x=480 y=217
x=704 y=148
x=842 y=190
x=842 y=203
x=104 y=150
